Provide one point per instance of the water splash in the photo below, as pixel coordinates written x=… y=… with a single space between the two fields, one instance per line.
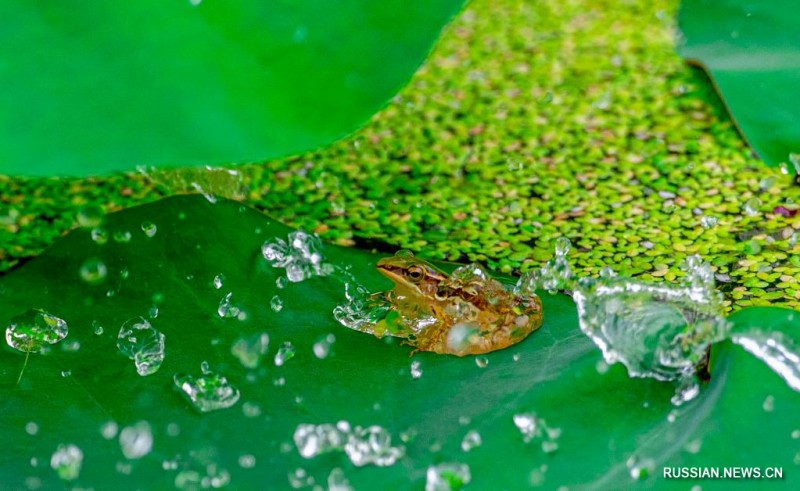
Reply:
x=208 y=392
x=779 y=351
x=301 y=256
x=655 y=330
x=447 y=476
x=142 y=343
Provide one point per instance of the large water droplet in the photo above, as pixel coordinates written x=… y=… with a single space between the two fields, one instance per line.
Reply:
x=142 y=343
x=149 y=229
x=67 y=461
x=99 y=235
x=93 y=271
x=482 y=361
x=90 y=216
x=285 y=353
x=276 y=304
x=751 y=207
x=136 y=441
x=250 y=350
x=208 y=392
x=30 y=331
x=447 y=476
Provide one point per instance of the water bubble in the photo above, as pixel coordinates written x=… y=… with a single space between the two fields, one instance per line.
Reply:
x=751 y=207
x=276 y=304
x=247 y=461
x=97 y=329
x=31 y=428
x=136 y=441
x=708 y=221
x=471 y=440
x=67 y=461
x=90 y=216
x=109 y=430
x=32 y=330
x=285 y=353
x=447 y=476
x=142 y=343
x=208 y=392
x=322 y=347
x=250 y=350
x=122 y=236
x=149 y=229
x=99 y=235
x=337 y=481
x=226 y=308
x=481 y=361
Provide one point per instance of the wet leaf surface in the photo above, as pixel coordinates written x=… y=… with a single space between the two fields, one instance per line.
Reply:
x=751 y=50
x=105 y=86
x=608 y=421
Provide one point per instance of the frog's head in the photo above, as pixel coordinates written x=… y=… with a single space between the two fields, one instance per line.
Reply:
x=411 y=273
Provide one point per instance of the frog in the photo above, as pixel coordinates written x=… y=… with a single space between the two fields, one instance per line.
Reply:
x=464 y=313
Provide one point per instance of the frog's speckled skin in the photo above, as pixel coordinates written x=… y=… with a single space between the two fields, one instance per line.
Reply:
x=428 y=304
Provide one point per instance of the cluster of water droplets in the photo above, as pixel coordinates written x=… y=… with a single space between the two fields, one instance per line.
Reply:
x=142 y=343
x=363 y=446
x=533 y=428
x=447 y=476
x=67 y=461
x=209 y=391
x=301 y=256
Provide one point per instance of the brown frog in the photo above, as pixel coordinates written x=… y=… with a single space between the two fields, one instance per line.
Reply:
x=465 y=313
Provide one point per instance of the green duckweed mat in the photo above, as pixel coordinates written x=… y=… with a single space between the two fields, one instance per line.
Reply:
x=531 y=120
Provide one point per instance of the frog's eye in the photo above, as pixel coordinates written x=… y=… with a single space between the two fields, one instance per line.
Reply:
x=415 y=273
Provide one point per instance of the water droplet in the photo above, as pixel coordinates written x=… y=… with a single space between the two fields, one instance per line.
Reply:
x=153 y=312
x=142 y=343
x=218 y=281
x=563 y=245
x=693 y=446
x=30 y=331
x=99 y=235
x=416 y=371
x=136 y=441
x=601 y=367
x=312 y=440
x=640 y=468
x=97 y=328
x=279 y=381
x=90 y=216
x=251 y=410
x=122 y=236
x=276 y=304
x=31 y=428
x=247 y=461
x=766 y=183
x=280 y=282
x=250 y=350
x=299 y=478
x=481 y=361
x=66 y=373
x=67 y=461
x=209 y=392
x=769 y=404
x=285 y=353
x=471 y=440
x=516 y=357
x=708 y=221
x=149 y=228
x=226 y=308
x=447 y=476
x=109 y=430
x=337 y=481
x=372 y=445
x=527 y=424
x=322 y=348
x=751 y=207
x=71 y=346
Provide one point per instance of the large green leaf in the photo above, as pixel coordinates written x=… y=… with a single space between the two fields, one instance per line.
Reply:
x=751 y=50
x=94 y=86
x=607 y=419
